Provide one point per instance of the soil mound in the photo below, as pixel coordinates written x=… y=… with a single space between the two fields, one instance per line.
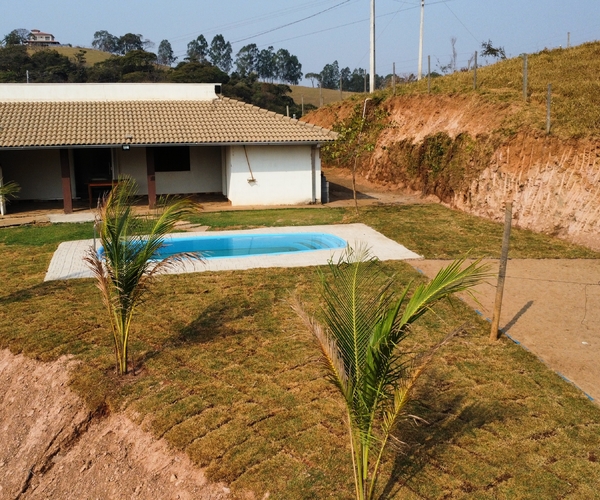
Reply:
x=53 y=447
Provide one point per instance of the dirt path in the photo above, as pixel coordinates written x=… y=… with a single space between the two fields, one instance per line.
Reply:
x=552 y=308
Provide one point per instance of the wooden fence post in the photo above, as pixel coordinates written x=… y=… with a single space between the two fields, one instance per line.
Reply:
x=495 y=332
x=525 y=76
x=548 y=104
x=475 y=72
x=428 y=74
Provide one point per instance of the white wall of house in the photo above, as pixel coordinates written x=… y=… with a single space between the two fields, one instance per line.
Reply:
x=37 y=171
x=284 y=175
x=204 y=175
x=133 y=163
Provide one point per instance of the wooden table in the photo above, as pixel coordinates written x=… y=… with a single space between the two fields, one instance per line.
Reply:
x=98 y=184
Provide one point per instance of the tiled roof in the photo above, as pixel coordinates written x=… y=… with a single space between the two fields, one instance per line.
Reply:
x=83 y=123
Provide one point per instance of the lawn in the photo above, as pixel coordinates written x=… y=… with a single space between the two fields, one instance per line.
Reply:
x=227 y=373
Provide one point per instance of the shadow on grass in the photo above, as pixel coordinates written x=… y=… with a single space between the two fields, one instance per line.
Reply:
x=42 y=289
x=447 y=420
x=214 y=319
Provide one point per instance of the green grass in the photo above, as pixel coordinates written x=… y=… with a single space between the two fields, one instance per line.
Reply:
x=227 y=373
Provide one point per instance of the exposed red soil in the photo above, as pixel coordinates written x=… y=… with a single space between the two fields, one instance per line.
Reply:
x=53 y=447
x=553 y=183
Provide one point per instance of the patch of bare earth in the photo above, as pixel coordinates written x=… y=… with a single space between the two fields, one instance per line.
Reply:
x=53 y=447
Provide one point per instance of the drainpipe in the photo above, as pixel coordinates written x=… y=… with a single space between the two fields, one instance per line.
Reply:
x=313 y=171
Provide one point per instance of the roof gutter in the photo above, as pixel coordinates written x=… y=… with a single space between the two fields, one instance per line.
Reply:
x=151 y=145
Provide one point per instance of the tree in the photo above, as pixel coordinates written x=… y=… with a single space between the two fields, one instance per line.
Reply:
x=266 y=65
x=195 y=72
x=488 y=50
x=165 y=53
x=246 y=60
x=14 y=62
x=131 y=41
x=312 y=77
x=219 y=53
x=48 y=66
x=106 y=42
x=19 y=36
x=288 y=68
x=364 y=324
x=197 y=50
x=330 y=76
x=124 y=268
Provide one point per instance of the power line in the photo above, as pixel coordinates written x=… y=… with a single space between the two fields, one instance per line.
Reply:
x=292 y=23
x=463 y=24
x=248 y=21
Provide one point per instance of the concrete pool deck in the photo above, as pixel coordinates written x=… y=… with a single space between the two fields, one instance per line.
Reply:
x=67 y=262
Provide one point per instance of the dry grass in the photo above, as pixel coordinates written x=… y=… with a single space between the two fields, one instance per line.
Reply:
x=572 y=72
x=227 y=373
x=92 y=56
x=312 y=95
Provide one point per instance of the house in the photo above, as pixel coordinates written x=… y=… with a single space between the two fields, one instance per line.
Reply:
x=38 y=38
x=66 y=141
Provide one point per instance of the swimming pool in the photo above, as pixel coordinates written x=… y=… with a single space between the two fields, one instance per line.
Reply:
x=214 y=246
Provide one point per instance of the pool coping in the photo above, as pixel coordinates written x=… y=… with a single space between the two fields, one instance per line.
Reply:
x=68 y=260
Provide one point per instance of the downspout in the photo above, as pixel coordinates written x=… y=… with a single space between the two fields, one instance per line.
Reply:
x=2 y=200
x=313 y=150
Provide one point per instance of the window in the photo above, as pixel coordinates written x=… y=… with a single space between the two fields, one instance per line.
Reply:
x=171 y=159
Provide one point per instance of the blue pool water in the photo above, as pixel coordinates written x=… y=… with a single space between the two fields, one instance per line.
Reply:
x=213 y=246
x=241 y=245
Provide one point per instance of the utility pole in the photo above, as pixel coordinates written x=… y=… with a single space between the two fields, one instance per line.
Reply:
x=372 y=68
x=420 y=71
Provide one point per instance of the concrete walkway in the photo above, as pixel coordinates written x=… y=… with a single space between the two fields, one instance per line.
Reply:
x=67 y=262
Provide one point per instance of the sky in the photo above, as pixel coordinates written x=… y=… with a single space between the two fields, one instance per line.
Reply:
x=322 y=31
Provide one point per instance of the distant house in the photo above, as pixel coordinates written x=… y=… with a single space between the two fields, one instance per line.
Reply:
x=61 y=141
x=38 y=38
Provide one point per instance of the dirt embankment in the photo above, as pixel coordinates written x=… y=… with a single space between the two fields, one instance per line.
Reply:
x=52 y=447
x=462 y=149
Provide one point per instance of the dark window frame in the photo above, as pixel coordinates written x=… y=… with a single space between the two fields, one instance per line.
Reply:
x=171 y=159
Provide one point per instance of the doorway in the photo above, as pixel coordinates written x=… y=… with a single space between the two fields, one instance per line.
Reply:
x=91 y=165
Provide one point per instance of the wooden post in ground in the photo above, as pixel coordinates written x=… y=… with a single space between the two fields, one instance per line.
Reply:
x=548 y=104
x=495 y=332
x=475 y=72
x=428 y=74
x=525 y=77
x=393 y=78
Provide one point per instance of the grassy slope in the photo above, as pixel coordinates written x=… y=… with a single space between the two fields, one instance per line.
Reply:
x=92 y=56
x=229 y=374
x=312 y=95
x=572 y=72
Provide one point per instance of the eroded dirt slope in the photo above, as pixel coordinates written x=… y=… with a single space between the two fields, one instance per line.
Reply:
x=553 y=183
x=52 y=447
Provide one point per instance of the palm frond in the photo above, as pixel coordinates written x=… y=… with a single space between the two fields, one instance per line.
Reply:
x=9 y=190
x=127 y=266
x=331 y=358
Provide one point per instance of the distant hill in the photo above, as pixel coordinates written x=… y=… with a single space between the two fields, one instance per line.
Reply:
x=92 y=56
x=312 y=96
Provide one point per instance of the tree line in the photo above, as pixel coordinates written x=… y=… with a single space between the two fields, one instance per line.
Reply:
x=131 y=61
x=332 y=76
